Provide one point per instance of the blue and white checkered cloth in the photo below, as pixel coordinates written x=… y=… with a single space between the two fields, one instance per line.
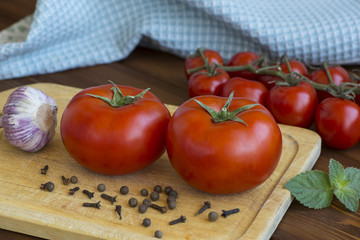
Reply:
x=62 y=34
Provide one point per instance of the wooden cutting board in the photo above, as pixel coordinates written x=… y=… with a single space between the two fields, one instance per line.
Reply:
x=57 y=215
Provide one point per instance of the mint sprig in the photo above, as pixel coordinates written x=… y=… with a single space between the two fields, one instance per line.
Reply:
x=315 y=189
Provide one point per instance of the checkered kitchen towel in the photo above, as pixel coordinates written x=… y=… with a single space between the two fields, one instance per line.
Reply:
x=64 y=34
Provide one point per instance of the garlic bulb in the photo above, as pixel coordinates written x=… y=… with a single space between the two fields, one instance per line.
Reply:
x=29 y=118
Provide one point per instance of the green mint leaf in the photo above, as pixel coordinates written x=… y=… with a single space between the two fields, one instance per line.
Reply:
x=348 y=197
x=311 y=188
x=337 y=175
x=353 y=175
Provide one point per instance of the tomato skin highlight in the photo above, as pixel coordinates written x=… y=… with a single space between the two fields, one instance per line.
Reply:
x=242 y=87
x=112 y=140
x=201 y=84
x=227 y=157
x=241 y=59
x=293 y=105
x=338 y=122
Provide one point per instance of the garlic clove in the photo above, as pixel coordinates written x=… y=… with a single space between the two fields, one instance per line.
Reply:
x=29 y=118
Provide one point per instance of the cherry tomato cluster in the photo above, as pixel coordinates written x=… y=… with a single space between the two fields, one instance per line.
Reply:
x=327 y=97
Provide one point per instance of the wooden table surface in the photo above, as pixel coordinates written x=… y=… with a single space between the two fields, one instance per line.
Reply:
x=163 y=73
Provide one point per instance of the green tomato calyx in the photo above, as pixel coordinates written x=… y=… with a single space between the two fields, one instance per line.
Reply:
x=224 y=114
x=119 y=100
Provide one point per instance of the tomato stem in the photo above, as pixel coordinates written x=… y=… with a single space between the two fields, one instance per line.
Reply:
x=119 y=100
x=328 y=73
x=224 y=114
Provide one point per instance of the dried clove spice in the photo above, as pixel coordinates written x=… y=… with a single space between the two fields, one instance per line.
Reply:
x=118 y=210
x=229 y=212
x=44 y=170
x=65 y=180
x=207 y=205
x=73 y=190
x=109 y=198
x=181 y=219
x=93 y=205
x=159 y=208
x=88 y=193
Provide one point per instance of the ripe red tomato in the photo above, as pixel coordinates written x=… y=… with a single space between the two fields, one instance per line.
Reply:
x=357 y=99
x=293 y=105
x=240 y=59
x=223 y=157
x=242 y=87
x=295 y=65
x=338 y=75
x=337 y=121
x=202 y=84
x=114 y=140
x=194 y=61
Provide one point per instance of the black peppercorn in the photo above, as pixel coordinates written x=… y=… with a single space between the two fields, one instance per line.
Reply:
x=172 y=205
x=173 y=193
x=146 y=222
x=170 y=198
x=158 y=234
x=49 y=186
x=158 y=188
x=124 y=190
x=142 y=208
x=167 y=189
x=144 y=192
x=101 y=187
x=213 y=216
x=147 y=202
x=74 y=179
x=133 y=202
x=154 y=196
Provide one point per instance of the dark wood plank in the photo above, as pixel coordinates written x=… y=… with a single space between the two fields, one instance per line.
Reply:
x=12 y=11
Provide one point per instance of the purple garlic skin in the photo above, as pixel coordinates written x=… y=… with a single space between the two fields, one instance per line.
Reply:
x=29 y=119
